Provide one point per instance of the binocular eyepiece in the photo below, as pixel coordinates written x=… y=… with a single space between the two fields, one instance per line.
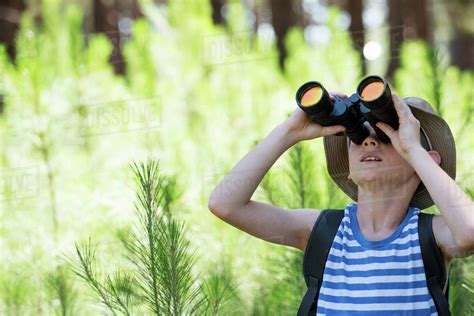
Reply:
x=372 y=103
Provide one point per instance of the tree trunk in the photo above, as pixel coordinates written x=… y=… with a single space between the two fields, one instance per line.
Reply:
x=407 y=20
x=461 y=45
x=217 y=17
x=417 y=21
x=106 y=21
x=395 y=22
x=284 y=17
x=461 y=49
x=356 y=29
x=136 y=12
x=10 y=14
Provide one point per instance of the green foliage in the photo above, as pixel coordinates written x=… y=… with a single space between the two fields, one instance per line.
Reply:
x=219 y=292
x=61 y=287
x=15 y=290
x=426 y=64
x=461 y=288
x=301 y=176
x=85 y=268
x=162 y=277
x=162 y=258
x=336 y=64
x=141 y=74
x=280 y=293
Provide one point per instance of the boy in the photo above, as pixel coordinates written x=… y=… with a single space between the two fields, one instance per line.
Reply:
x=374 y=265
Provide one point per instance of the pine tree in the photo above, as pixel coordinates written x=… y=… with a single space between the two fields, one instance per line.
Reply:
x=161 y=281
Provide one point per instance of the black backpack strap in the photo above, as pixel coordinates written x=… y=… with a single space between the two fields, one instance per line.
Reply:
x=433 y=262
x=315 y=256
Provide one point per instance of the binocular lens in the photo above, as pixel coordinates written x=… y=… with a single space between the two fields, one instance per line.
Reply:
x=372 y=91
x=377 y=104
x=311 y=96
x=314 y=100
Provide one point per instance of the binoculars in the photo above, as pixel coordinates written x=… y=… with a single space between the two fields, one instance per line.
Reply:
x=371 y=103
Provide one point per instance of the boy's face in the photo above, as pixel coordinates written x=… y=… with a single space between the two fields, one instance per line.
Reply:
x=390 y=170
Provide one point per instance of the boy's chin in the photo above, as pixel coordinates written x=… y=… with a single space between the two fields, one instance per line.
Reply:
x=373 y=177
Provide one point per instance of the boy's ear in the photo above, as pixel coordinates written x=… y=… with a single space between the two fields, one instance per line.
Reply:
x=349 y=176
x=435 y=156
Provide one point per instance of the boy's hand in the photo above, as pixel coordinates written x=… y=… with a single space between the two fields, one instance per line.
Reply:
x=407 y=137
x=302 y=128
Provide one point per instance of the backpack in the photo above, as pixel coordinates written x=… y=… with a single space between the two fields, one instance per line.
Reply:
x=319 y=244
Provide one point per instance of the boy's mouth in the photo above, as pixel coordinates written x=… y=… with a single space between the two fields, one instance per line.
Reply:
x=370 y=158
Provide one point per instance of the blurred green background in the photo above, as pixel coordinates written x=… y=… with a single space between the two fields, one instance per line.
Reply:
x=89 y=87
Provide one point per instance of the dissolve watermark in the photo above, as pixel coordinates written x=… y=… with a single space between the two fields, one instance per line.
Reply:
x=19 y=183
x=225 y=48
x=121 y=116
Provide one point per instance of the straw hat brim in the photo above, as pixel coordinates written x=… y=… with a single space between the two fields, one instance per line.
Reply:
x=438 y=132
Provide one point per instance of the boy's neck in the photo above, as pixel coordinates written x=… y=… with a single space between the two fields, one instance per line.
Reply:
x=380 y=212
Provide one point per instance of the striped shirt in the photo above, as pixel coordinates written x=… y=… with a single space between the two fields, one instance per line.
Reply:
x=384 y=277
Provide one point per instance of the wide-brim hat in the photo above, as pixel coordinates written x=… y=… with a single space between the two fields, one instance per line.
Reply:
x=439 y=136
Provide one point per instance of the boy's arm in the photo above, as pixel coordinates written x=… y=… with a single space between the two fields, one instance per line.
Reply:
x=231 y=199
x=454 y=229
x=273 y=224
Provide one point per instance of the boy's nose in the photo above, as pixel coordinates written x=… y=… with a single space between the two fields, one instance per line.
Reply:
x=372 y=139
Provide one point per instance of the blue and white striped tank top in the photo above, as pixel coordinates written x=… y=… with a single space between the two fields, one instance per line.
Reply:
x=384 y=277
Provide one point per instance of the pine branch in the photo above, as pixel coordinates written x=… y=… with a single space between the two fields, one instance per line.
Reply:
x=121 y=288
x=268 y=189
x=219 y=292
x=468 y=97
x=274 y=190
x=15 y=291
x=437 y=75
x=301 y=166
x=470 y=192
x=150 y=196
x=157 y=245
x=61 y=287
x=297 y=175
x=175 y=263
x=85 y=269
